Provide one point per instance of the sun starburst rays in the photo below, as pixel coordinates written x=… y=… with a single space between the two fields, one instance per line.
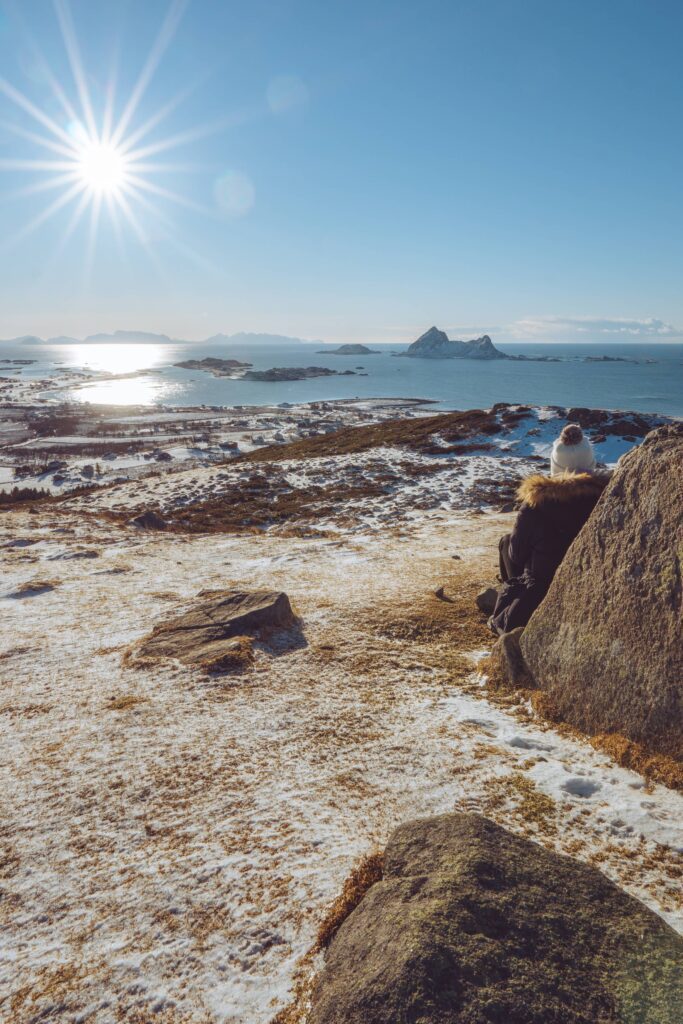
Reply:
x=98 y=161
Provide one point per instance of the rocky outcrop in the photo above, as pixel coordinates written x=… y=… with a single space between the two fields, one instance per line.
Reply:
x=623 y=424
x=607 y=641
x=149 y=520
x=207 y=634
x=472 y=924
x=435 y=344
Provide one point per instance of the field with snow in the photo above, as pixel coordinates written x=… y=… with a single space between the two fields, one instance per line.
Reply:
x=171 y=840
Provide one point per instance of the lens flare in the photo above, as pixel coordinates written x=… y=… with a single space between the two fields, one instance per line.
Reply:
x=94 y=160
x=102 y=167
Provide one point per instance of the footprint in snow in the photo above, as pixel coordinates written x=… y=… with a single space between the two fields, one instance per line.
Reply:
x=581 y=787
x=485 y=726
x=524 y=743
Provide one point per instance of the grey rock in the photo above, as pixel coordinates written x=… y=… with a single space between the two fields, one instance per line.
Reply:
x=149 y=520
x=607 y=641
x=507 y=666
x=471 y=924
x=207 y=631
x=486 y=600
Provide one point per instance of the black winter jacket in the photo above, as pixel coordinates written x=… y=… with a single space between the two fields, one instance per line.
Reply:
x=553 y=511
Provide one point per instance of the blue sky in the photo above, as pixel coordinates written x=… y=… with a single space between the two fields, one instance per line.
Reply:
x=359 y=170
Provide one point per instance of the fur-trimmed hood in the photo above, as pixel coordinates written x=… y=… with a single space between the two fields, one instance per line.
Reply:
x=538 y=490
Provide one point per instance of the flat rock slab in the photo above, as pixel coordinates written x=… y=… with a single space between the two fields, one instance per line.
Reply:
x=207 y=631
x=472 y=924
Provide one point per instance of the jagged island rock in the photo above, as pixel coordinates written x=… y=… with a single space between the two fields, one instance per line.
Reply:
x=472 y=924
x=206 y=633
x=486 y=600
x=149 y=520
x=607 y=641
x=435 y=344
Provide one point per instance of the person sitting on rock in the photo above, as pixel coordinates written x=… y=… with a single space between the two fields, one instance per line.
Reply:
x=553 y=511
x=572 y=452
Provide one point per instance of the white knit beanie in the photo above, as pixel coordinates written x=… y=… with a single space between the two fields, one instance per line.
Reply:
x=572 y=452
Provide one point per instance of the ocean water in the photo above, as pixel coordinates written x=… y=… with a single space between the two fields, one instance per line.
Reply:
x=653 y=382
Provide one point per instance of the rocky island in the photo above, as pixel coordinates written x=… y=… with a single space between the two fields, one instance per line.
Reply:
x=608 y=359
x=286 y=373
x=217 y=367
x=350 y=350
x=237 y=370
x=435 y=344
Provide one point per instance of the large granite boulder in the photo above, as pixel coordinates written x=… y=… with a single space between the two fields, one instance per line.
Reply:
x=209 y=633
x=607 y=641
x=471 y=925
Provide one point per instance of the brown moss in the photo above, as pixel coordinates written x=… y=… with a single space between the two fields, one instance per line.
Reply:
x=530 y=805
x=657 y=767
x=35 y=587
x=362 y=878
x=262 y=501
x=124 y=702
x=131 y=658
x=544 y=705
x=237 y=658
x=296 y=1010
x=415 y=433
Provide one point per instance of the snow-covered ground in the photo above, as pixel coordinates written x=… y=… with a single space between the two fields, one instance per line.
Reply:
x=408 y=484
x=170 y=841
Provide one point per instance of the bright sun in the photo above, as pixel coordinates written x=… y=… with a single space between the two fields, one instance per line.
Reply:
x=102 y=167
x=99 y=159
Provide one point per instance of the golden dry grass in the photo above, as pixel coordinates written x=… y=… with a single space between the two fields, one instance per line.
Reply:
x=530 y=805
x=237 y=658
x=36 y=587
x=25 y=710
x=124 y=702
x=363 y=877
x=296 y=1010
x=409 y=433
x=657 y=767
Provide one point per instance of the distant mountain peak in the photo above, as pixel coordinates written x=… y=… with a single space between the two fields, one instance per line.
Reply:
x=121 y=337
